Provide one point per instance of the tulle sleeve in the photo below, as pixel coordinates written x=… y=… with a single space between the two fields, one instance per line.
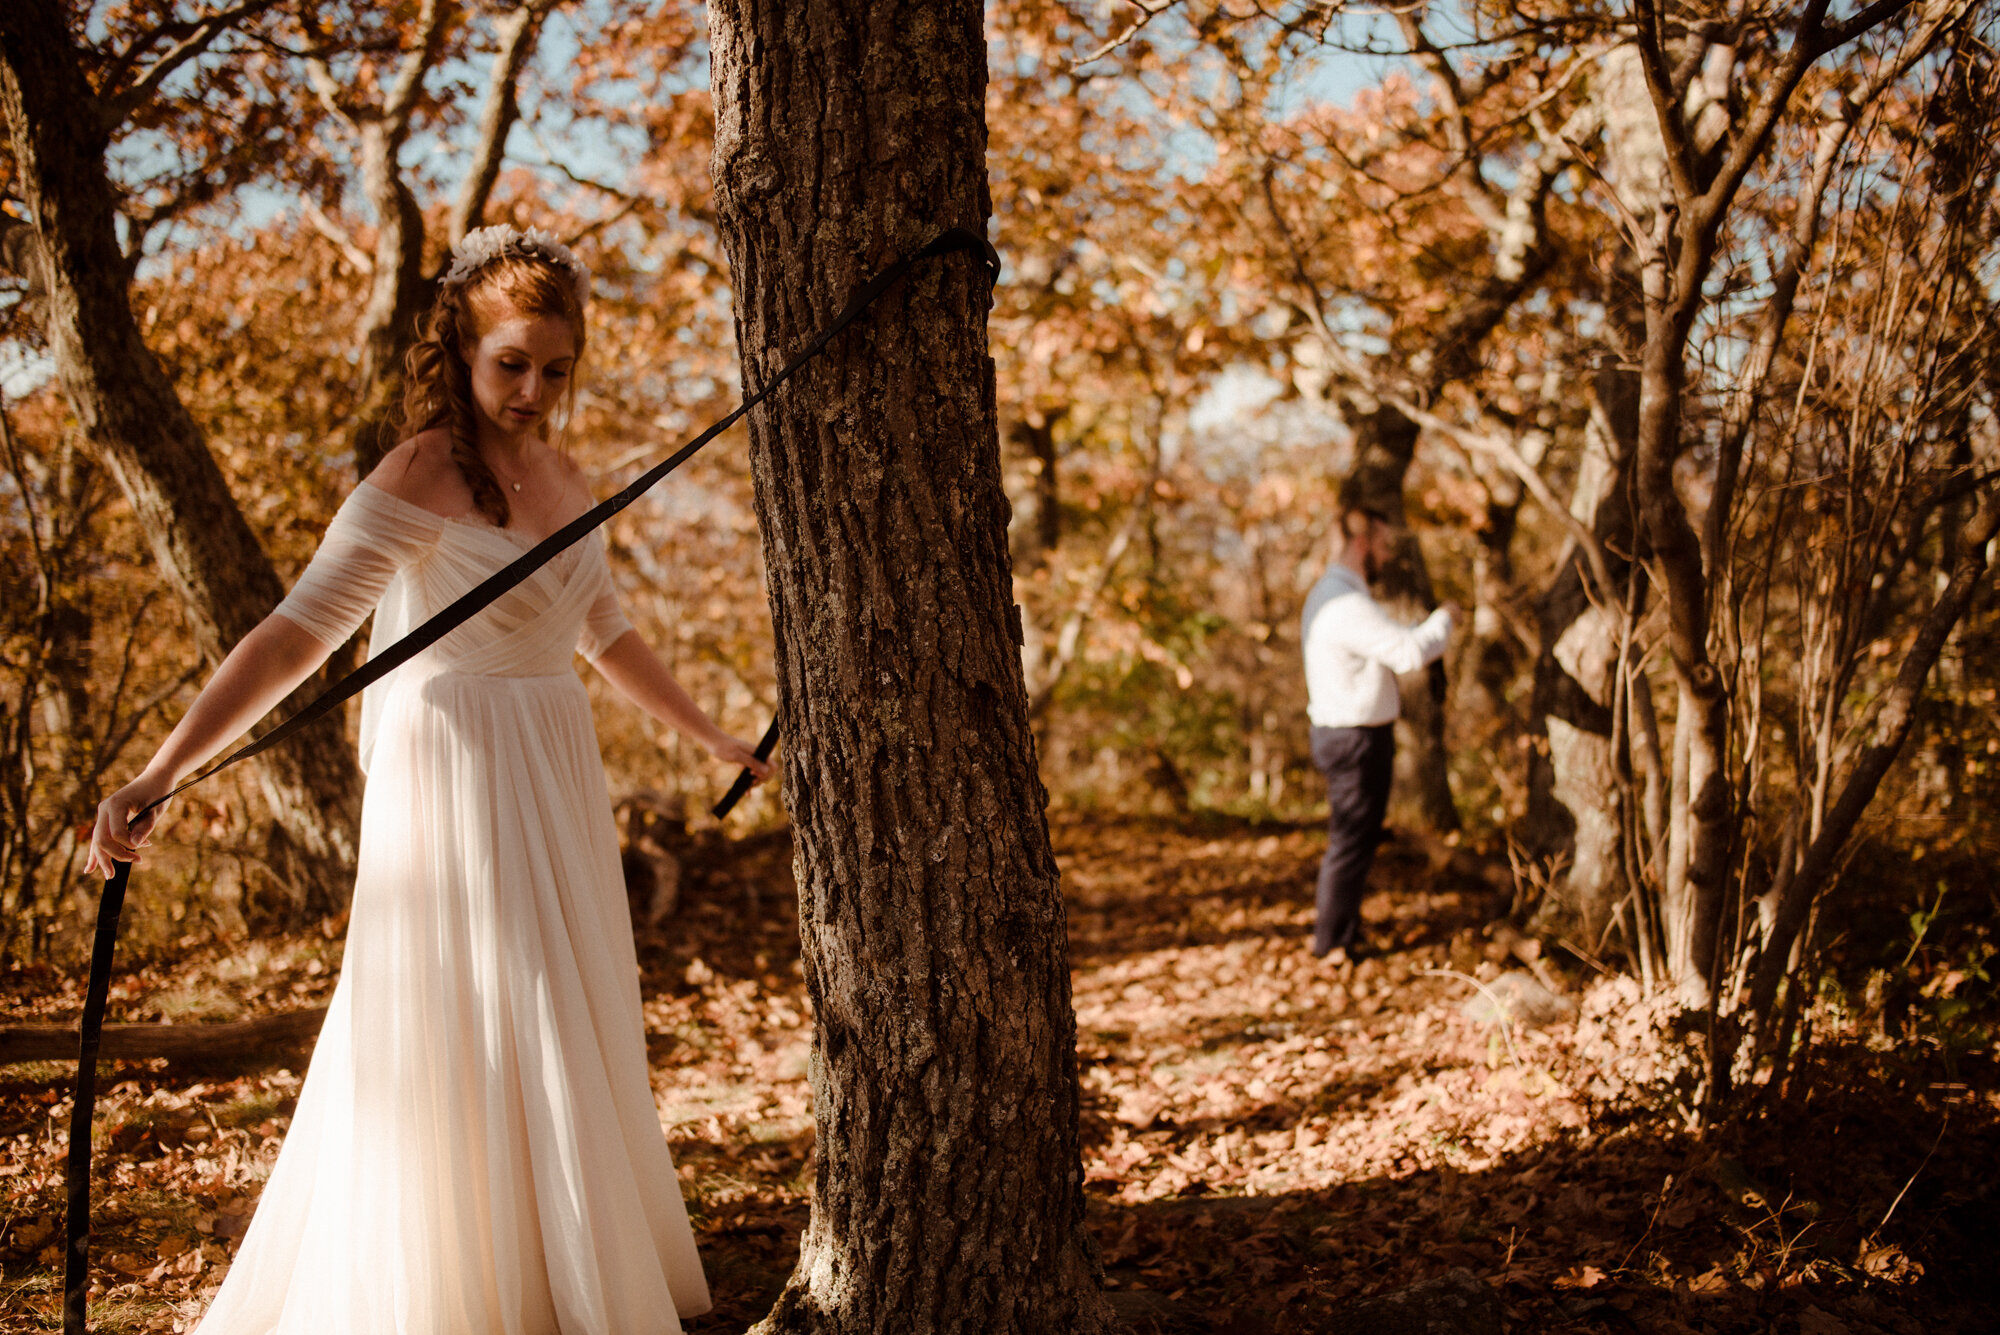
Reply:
x=372 y=536
x=605 y=621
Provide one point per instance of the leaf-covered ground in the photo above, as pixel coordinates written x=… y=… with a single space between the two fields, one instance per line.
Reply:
x=1266 y=1136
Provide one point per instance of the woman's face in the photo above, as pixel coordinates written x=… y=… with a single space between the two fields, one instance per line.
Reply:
x=520 y=368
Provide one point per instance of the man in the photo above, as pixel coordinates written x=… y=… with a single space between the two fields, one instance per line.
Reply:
x=1353 y=652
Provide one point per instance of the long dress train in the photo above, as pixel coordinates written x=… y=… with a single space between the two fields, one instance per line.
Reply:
x=475 y=1150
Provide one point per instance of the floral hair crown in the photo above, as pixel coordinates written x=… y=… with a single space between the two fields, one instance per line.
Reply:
x=484 y=245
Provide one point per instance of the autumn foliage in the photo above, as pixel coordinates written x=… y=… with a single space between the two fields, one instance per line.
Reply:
x=1665 y=331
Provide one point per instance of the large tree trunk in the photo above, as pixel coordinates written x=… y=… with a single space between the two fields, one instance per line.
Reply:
x=948 y=1195
x=1385 y=445
x=131 y=414
x=1573 y=791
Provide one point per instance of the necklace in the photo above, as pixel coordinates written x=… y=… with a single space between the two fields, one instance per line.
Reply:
x=499 y=476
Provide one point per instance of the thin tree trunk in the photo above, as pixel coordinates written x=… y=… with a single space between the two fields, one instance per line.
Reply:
x=948 y=1195
x=1038 y=434
x=1705 y=822
x=400 y=290
x=1677 y=260
x=1490 y=659
x=396 y=297
x=131 y=414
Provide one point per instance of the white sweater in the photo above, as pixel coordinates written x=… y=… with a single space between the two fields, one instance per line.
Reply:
x=1354 y=651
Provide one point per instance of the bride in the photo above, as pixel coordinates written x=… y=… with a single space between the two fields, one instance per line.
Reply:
x=475 y=1148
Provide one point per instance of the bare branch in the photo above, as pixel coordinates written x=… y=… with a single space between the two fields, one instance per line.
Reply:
x=1502 y=450
x=1742 y=403
x=1840 y=34
x=199 y=35
x=630 y=203
x=1893 y=724
x=1635 y=231
x=518 y=32
x=401 y=100
x=1148 y=11
x=27 y=491
x=1811 y=43
x=339 y=236
x=319 y=73
x=1652 y=43
x=121 y=65
x=1458 y=120
x=1315 y=312
x=553 y=163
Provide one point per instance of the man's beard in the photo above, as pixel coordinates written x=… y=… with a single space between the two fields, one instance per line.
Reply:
x=1371 y=566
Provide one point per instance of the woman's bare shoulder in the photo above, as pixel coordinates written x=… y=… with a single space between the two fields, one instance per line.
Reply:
x=577 y=495
x=421 y=472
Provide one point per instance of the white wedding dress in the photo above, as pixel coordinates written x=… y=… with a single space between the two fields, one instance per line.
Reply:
x=476 y=1150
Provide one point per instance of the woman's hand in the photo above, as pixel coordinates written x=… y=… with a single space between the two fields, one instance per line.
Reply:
x=261 y=670
x=117 y=837
x=735 y=751
x=639 y=675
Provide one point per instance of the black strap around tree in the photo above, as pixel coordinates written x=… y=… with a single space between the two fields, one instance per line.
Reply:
x=76 y=1266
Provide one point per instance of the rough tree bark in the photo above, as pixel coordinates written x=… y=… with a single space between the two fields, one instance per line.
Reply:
x=131 y=414
x=948 y=1195
x=1574 y=812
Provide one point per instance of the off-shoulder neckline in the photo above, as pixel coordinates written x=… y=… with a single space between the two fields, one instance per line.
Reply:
x=471 y=519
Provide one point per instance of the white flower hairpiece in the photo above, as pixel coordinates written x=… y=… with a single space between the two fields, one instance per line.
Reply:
x=484 y=245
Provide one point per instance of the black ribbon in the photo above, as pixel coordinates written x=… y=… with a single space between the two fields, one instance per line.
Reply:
x=76 y=1266
x=746 y=778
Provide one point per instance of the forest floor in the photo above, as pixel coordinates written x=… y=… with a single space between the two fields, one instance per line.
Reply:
x=1266 y=1137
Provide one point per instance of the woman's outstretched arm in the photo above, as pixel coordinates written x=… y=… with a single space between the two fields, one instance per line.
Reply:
x=631 y=666
x=263 y=668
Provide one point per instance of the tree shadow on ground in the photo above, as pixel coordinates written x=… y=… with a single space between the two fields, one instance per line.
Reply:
x=1626 y=1223
x=1631 y=1231
x=1842 y=1209
x=1595 y=1236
